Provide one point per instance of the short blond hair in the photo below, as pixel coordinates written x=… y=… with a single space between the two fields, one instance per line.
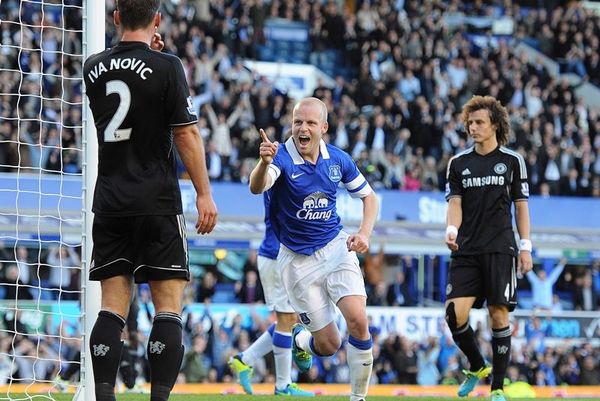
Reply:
x=313 y=100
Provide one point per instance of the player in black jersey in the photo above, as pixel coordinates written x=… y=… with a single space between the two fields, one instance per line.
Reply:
x=482 y=184
x=141 y=106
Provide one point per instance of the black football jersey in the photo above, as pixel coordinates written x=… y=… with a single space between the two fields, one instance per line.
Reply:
x=137 y=95
x=488 y=185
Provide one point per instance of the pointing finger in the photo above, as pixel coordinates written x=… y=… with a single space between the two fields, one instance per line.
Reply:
x=264 y=136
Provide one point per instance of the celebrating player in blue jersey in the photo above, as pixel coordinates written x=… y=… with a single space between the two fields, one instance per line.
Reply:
x=318 y=263
x=278 y=338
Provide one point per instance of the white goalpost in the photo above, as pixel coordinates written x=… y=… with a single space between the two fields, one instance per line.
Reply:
x=94 y=32
x=48 y=159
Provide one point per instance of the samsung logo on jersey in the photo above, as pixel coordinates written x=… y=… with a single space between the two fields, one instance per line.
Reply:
x=127 y=63
x=483 y=181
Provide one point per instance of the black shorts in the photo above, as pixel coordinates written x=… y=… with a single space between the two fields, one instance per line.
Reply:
x=145 y=247
x=490 y=277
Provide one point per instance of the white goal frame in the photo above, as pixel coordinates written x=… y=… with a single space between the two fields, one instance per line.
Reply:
x=93 y=15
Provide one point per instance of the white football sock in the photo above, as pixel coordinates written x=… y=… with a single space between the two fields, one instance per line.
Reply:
x=261 y=347
x=283 y=361
x=303 y=341
x=361 y=364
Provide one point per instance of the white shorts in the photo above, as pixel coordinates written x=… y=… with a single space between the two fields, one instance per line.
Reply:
x=317 y=282
x=276 y=296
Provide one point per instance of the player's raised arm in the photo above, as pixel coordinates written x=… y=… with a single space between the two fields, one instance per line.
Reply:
x=259 y=178
x=191 y=150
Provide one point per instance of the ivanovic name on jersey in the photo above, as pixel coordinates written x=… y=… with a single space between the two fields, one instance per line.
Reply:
x=483 y=181
x=126 y=63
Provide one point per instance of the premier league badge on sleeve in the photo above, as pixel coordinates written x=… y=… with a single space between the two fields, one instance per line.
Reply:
x=335 y=173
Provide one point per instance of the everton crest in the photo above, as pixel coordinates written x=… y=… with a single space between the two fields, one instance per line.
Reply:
x=335 y=173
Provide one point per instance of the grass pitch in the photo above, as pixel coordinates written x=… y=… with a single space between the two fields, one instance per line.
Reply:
x=243 y=397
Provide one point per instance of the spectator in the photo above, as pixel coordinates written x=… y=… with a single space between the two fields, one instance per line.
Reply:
x=590 y=371
x=62 y=261
x=405 y=361
x=428 y=374
x=14 y=287
x=24 y=265
x=536 y=335
x=207 y=287
x=250 y=290
x=376 y=295
x=398 y=292
x=196 y=363
x=541 y=285
x=585 y=298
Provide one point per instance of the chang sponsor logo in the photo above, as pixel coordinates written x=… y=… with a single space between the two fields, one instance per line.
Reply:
x=483 y=181
x=311 y=205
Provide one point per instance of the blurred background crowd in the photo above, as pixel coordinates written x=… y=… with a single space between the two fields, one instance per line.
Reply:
x=400 y=71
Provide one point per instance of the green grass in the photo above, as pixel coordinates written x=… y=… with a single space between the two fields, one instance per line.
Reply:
x=210 y=397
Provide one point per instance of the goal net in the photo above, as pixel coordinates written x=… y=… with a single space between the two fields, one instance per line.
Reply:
x=42 y=196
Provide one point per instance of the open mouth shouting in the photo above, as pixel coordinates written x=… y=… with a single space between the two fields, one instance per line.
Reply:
x=303 y=140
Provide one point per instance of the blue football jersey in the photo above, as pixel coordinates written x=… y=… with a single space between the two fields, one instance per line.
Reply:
x=303 y=196
x=269 y=247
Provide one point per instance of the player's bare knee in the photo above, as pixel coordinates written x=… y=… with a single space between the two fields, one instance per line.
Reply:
x=167 y=295
x=358 y=326
x=499 y=316
x=328 y=346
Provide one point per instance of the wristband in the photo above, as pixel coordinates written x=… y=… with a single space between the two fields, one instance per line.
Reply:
x=451 y=230
x=525 y=245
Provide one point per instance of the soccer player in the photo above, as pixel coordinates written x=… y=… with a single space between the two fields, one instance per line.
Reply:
x=317 y=259
x=483 y=182
x=278 y=338
x=141 y=105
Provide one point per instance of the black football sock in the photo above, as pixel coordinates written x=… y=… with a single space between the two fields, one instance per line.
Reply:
x=501 y=352
x=165 y=353
x=464 y=337
x=105 y=348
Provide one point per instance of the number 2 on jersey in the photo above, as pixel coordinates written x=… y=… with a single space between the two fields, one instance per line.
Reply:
x=112 y=133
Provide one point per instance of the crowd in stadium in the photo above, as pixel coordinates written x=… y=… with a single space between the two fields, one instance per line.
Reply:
x=403 y=75
x=395 y=107
x=210 y=340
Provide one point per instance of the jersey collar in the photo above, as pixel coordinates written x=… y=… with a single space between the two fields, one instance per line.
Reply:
x=132 y=43
x=297 y=158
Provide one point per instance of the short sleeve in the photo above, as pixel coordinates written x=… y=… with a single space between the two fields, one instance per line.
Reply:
x=453 y=185
x=356 y=184
x=180 y=109
x=276 y=167
x=519 y=188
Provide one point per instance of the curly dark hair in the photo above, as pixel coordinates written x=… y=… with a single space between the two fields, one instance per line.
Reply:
x=137 y=14
x=498 y=115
